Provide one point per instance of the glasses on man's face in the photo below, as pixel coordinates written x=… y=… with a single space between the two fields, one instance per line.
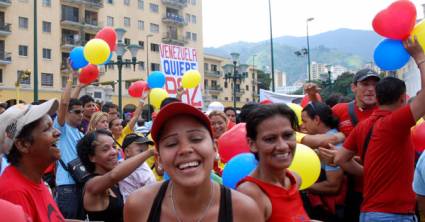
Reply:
x=76 y=111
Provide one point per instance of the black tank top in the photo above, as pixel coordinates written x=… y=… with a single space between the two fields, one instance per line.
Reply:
x=225 y=213
x=114 y=211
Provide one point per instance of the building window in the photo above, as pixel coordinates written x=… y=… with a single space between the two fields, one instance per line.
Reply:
x=47 y=3
x=213 y=67
x=193 y=2
x=188 y=35
x=154 y=28
x=127 y=41
x=1 y=75
x=153 y=8
x=194 y=37
x=206 y=66
x=226 y=98
x=154 y=66
x=214 y=97
x=206 y=83
x=225 y=85
x=187 y=17
x=47 y=53
x=23 y=50
x=110 y=21
x=141 y=4
x=70 y=13
x=47 y=26
x=128 y=63
x=154 y=47
x=141 y=25
x=23 y=22
x=126 y=21
x=193 y=19
x=142 y=44
x=141 y=65
x=111 y=1
x=25 y=80
x=47 y=79
x=247 y=88
x=247 y=99
x=126 y=2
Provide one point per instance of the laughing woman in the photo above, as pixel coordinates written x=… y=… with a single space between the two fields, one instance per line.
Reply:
x=102 y=199
x=271 y=135
x=186 y=150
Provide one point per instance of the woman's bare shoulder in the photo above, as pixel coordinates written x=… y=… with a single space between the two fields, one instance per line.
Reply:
x=139 y=203
x=245 y=208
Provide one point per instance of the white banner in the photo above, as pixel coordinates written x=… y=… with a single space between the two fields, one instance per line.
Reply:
x=175 y=61
x=277 y=97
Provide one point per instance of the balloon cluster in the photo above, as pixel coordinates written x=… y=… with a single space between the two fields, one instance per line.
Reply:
x=396 y=23
x=97 y=51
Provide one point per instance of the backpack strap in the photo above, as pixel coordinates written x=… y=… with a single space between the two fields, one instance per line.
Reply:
x=366 y=143
x=352 y=113
x=63 y=165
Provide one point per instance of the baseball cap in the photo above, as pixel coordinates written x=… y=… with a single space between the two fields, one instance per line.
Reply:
x=135 y=138
x=176 y=109
x=364 y=74
x=16 y=117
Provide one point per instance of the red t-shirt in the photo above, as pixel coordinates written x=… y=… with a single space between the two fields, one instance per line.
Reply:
x=286 y=203
x=34 y=198
x=12 y=212
x=340 y=110
x=389 y=161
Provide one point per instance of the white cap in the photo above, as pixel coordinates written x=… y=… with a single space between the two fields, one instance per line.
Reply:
x=215 y=106
x=16 y=117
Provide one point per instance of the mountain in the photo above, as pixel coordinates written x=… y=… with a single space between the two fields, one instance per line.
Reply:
x=346 y=47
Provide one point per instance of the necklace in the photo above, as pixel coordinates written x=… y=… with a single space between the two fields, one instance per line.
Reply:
x=203 y=213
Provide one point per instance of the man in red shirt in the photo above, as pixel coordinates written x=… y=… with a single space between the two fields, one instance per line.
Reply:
x=384 y=144
x=33 y=139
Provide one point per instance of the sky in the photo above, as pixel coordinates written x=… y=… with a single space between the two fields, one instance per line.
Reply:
x=228 y=21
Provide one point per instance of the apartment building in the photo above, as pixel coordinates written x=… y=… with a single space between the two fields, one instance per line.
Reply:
x=65 y=24
x=218 y=88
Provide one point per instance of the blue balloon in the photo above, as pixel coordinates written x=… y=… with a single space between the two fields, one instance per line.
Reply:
x=237 y=168
x=390 y=55
x=156 y=79
x=109 y=59
x=77 y=58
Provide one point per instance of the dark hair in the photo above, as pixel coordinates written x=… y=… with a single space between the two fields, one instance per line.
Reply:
x=148 y=109
x=107 y=106
x=129 y=108
x=263 y=112
x=26 y=135
x=324 y=112
x=74 y=102
x=389 y=90
x=167 y=101
x=86 y=146
x=334 y=99
x=245 y=110
x=229 y=108
x=86 y=99
x=112 y=120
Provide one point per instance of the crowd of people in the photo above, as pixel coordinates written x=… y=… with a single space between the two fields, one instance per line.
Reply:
x=73 y=160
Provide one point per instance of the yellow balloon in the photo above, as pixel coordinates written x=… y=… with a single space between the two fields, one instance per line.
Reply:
x=191 y=79
x=96 y=51
x=297 y=109
x=306 y=164
x=419 y=32
x=156 y=96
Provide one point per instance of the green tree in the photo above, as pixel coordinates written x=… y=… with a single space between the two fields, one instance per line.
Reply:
x=264 y=80
x=341 y=85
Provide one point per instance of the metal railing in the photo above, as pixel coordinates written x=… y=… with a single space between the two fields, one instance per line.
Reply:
x=174 y=18
x=213 y=73
x=5 y=56
x=5 y=27
x=176 y=3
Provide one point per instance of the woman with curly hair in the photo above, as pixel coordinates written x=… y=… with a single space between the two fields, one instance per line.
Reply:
x=99 y=120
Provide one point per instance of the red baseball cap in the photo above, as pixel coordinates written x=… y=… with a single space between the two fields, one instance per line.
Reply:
x=177 y=109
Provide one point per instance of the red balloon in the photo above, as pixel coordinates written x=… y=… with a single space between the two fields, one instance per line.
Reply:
x=89 y=74
x=137 y=89
x=418 y=137
x=109 y=35
x=396 y=21
x=233 y=142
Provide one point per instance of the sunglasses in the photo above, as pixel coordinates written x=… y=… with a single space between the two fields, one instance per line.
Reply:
x=76 y=111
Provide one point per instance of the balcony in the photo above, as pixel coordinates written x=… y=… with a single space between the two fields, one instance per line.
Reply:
x=93 y=4
x=240 y=92
x=5 y=3
x=172 y=18
x=173 y=39
x=179 y=4
x=69 y=43
x=91 y=24
x=5 y=29
x=214 y=74
x=5 y=58
x=217 y=89
x=71 y=22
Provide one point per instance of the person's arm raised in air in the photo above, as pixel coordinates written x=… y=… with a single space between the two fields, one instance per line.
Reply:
x=415 y=50
x=137 y=112
x=66 y=96
x=76 y=92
